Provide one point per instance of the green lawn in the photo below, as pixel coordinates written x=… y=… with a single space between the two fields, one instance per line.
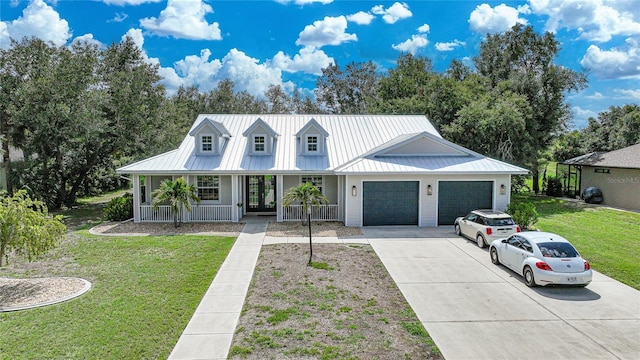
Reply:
x=145 y=290
x=608 y=239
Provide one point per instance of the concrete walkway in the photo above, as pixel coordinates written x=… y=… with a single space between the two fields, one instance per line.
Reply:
x=210 y=331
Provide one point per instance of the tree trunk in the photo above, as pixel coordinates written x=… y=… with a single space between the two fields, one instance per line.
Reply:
x=6 y=162
x=2 y=250
x=535 y=175
x=310 y=244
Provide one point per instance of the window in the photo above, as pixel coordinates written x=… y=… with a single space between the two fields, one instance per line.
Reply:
x=316 y=180
x=209 y=187
x=258 y=143
x=207 y=143
x=312 y=144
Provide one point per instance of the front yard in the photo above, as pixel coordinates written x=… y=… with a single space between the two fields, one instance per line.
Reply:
x=609 y=239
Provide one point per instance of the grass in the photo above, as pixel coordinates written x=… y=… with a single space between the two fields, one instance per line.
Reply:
x=607 y=238
x=145 y=290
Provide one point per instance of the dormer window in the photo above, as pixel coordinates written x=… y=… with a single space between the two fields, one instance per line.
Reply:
x=259 y=143
x=312 y=144
x=207 y=143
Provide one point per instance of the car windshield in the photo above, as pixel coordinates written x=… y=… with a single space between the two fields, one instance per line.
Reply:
x=499 y=221
x=557 y=250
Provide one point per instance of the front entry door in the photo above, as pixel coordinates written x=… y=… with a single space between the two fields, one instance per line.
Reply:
x=261 y=193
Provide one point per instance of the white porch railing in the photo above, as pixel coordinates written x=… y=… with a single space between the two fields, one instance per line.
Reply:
x=199 y=213
x=318 y=212
x=162 y=213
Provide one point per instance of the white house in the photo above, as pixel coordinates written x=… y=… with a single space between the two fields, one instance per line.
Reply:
x=374 y=169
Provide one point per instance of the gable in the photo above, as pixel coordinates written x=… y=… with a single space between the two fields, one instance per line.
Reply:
x=260 y=138
x=424 y=147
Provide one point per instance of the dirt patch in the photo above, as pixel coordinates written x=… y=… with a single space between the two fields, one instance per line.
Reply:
x=318 y=229
x=28 y=292
x=345 y=306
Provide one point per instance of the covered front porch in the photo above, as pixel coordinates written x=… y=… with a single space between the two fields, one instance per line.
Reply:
x=229 y=198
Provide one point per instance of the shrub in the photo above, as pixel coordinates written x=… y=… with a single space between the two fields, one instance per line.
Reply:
x=523 y=213
x=120 y=208
x=553 y=186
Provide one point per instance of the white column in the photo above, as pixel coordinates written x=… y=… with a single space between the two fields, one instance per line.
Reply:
x=280 y=194
x=136 y=198
x=234 y=198
x=186 y=215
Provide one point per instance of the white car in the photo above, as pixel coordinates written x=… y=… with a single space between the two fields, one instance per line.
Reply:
x=484 y=226
x=542 y=258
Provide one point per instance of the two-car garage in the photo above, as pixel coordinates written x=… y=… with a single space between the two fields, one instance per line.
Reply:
x=398 y=202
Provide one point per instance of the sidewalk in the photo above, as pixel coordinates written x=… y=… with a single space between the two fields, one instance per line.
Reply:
x=210 y=331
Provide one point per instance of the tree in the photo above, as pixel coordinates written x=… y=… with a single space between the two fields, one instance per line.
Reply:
x=178 y=194
x=521 y=61
x=349 y=91
x=614 y=129
x=307 y=194
x=26 y=227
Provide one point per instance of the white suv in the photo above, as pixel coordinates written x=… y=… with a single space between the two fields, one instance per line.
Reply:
x=485 y=226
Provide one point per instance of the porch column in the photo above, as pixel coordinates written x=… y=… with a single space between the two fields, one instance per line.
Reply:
x=186 y=215
x=136 y=198
x=280 y=195
x=234 y=198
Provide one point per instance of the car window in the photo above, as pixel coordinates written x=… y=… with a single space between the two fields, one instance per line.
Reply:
x=480 y=220
x=500 y=221
x=526 y=246
x=558 y=250
x=515 y=241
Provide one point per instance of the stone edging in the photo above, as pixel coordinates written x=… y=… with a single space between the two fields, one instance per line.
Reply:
x=87 y=287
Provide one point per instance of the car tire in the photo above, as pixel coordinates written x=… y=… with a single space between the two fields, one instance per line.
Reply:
x=457 y=229
x=528 y=277
x=480 y=241
x=494 y=256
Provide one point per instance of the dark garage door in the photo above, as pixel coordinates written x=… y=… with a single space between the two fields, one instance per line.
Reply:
x=457 y=198
x=390 y=203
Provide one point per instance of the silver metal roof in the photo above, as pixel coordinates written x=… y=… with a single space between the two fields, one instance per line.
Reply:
x=348 y=149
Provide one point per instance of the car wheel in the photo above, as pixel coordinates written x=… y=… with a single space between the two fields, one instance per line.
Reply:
x=494 y=256
x=480 y=241
x=457 y=228
x=528 y=277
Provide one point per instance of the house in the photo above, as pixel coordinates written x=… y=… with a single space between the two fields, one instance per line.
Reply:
x=616 y=173
x=374 y=169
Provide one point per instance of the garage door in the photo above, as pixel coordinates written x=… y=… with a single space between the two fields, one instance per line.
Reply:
x=390 y=203
x=457 y=198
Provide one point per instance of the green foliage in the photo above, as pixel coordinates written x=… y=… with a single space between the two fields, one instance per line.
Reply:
x=177 y=194
x=552 y=186
x=120 y=208
x=612 y=130
x=519 y=184
x=523 y=213
x=348 y=91
x=26 y=227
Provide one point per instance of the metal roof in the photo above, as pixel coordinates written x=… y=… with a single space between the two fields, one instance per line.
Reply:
x=348 y=148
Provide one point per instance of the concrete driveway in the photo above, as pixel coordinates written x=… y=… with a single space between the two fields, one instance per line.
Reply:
x=476 y=310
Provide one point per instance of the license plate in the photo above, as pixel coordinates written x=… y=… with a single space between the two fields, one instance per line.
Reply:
x=572 y=279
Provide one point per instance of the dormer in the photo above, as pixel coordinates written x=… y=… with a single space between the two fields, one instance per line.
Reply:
x=210 y=137
x=260 y=138
x=312 y=139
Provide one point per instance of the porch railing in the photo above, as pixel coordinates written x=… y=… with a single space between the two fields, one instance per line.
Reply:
x=318 y=212
x=199 y=213
x=162 y=213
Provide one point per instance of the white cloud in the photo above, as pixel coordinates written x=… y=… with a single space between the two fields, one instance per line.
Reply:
x=449 y=46
x=88 y=38
x=184 y=19
x=412 y=45
x=309 y=60
x=304 y=2
x=128 y=2
x=581 y=116
x=596 y=96
x=595 y=20
x=38 y=20
x=629 y=93
x=119 y=17
x=330 y=31
x=485 y=19
x=424 y=28
x=617 y=63
x=361 y=18
x=395 y=12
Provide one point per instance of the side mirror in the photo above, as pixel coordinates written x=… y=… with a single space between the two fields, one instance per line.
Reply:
x=504 y=241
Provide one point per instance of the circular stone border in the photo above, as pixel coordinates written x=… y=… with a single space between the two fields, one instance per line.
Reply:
x=87 y=287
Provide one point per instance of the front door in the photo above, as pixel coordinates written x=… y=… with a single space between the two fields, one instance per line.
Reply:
x=261 y=193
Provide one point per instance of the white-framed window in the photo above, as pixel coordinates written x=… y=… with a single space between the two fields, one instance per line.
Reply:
x=259 y=143
x=206 y=143
x=208 y=187
x=316 y=180
x=312 y=143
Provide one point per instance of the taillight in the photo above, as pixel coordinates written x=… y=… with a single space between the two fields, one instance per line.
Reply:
x=518 y=228
x=488 y=231
x=586 y=265
x=543 y=266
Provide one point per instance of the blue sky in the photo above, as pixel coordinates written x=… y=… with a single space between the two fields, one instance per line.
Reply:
x=287 y=42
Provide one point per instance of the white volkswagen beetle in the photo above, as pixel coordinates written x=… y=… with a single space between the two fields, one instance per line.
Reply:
x=542 y=258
